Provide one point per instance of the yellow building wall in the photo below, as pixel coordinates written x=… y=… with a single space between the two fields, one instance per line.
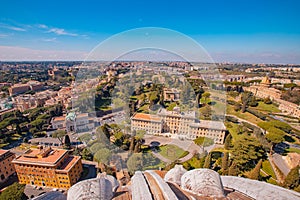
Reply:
x=47 y=176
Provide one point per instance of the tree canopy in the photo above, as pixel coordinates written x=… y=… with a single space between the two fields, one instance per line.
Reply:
x=14 y=192
x=135 y=162
x=292 y=180
x=103 y=155
x=247 y=150
x=59 y=134
x=255 y=172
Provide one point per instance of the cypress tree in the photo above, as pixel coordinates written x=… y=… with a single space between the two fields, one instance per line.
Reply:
x=227 y=143
x=233 y=170
x=67 y=141
x=207 y=161
x=225 y=163
x=254 y=173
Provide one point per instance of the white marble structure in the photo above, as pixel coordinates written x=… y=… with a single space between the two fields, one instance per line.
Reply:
x=175 y=174
x=100 y=188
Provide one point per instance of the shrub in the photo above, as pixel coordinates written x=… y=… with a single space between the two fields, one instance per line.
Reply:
x=232 y=119
x=257 y=114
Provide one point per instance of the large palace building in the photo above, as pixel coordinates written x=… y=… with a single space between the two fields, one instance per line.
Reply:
x=178 y=124
x=48 y=167
x=264 y=90
x=6 y=167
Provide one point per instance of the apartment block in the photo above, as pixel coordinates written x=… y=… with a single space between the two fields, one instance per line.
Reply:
x=48 y=167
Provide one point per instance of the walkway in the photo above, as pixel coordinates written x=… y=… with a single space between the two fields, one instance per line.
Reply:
x=186 y=145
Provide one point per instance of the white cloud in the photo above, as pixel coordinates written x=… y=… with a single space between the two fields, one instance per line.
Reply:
x=61 y=31
x=14 y=28
x=49 y=39
x=13 y=53
x=3 y=35
x=42 y=26
x=58 y=31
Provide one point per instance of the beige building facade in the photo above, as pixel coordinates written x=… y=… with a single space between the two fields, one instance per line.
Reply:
x=263 y=90
x=178 y=125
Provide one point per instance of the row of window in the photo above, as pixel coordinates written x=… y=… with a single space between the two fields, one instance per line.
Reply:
x=208 y=134
x=34 y=166
x=45 y=182
x=36 y=175
x=6 y=170
x=148 y=126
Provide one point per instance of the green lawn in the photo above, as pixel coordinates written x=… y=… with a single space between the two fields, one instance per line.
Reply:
x=247 y=116
x=144 y=108
x=219 y=107
x=205 y=101
x=293 y=150
x=233 y=130
x=266 y=167
x=220 y=149
x=171 y=106
x=172 y=152
x=86 y=137
x=272 y=181
x=204 y=141
x=153 y=167
x=267 y=107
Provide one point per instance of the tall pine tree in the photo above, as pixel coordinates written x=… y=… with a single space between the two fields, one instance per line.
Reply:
x=233 y=170
x=225 y=163
x=207 y=161
x=254 y=173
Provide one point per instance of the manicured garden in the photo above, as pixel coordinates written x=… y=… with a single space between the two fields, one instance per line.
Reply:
x=266 y=167
x=172 y=152
x=234 y=129
x=293 y=150
x=267 y=107
x=246 y=115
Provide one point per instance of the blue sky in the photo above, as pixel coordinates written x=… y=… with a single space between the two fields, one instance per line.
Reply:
x=262 y=31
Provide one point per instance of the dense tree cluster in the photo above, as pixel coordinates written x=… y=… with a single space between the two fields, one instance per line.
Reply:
x=14 y=192
x=33 y=121
x=292 y=180
x=141 y=161
x=246 y=151
x=255 y=172
x=292 y=96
